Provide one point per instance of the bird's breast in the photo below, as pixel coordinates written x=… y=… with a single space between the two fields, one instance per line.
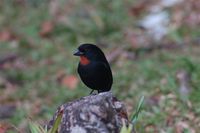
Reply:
x=84 y=60
x=86 y=70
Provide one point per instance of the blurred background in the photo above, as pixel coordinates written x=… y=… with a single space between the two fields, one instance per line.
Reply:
x=153 y=47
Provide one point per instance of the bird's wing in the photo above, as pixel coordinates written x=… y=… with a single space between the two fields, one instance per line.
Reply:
x=104 y=70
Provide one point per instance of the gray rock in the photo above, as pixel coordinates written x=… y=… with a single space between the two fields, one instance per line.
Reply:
x=101 y=113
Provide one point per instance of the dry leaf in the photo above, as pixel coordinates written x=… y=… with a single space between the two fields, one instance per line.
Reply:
x=180 y=126
x=3 y=128
x=5 y=35
x=70 y=81
x=140 y=7
x=151 y=128
x=46 y=28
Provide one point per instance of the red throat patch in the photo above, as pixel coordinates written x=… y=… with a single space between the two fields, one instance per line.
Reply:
x=84 y=60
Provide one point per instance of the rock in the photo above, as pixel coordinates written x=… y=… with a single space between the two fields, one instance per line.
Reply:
x=101 y=113
x=7 y=111
x=184 y=81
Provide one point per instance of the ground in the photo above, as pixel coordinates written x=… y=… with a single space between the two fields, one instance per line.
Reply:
x=38 y=69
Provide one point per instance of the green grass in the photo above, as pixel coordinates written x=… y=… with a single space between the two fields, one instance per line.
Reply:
x=151 y=75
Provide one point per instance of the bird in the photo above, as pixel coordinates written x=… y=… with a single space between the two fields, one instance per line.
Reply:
x=93 y=68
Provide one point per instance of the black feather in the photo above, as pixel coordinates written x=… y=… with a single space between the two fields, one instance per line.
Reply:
x=97 y=74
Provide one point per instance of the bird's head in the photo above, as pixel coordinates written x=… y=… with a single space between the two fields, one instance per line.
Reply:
x=88 y=53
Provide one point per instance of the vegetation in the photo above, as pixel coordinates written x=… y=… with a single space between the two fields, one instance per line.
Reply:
x=41 y=74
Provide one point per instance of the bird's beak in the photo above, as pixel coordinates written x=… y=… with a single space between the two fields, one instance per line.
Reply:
x=78 y=53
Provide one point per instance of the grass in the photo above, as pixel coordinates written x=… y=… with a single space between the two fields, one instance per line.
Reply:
x=152 y=75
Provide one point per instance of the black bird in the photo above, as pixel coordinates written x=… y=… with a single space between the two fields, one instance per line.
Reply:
x=94 y=70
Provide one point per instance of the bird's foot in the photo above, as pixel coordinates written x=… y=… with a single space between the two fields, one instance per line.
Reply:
x=93 y=93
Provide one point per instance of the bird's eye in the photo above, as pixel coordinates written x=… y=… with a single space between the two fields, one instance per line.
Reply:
x=85 y=50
